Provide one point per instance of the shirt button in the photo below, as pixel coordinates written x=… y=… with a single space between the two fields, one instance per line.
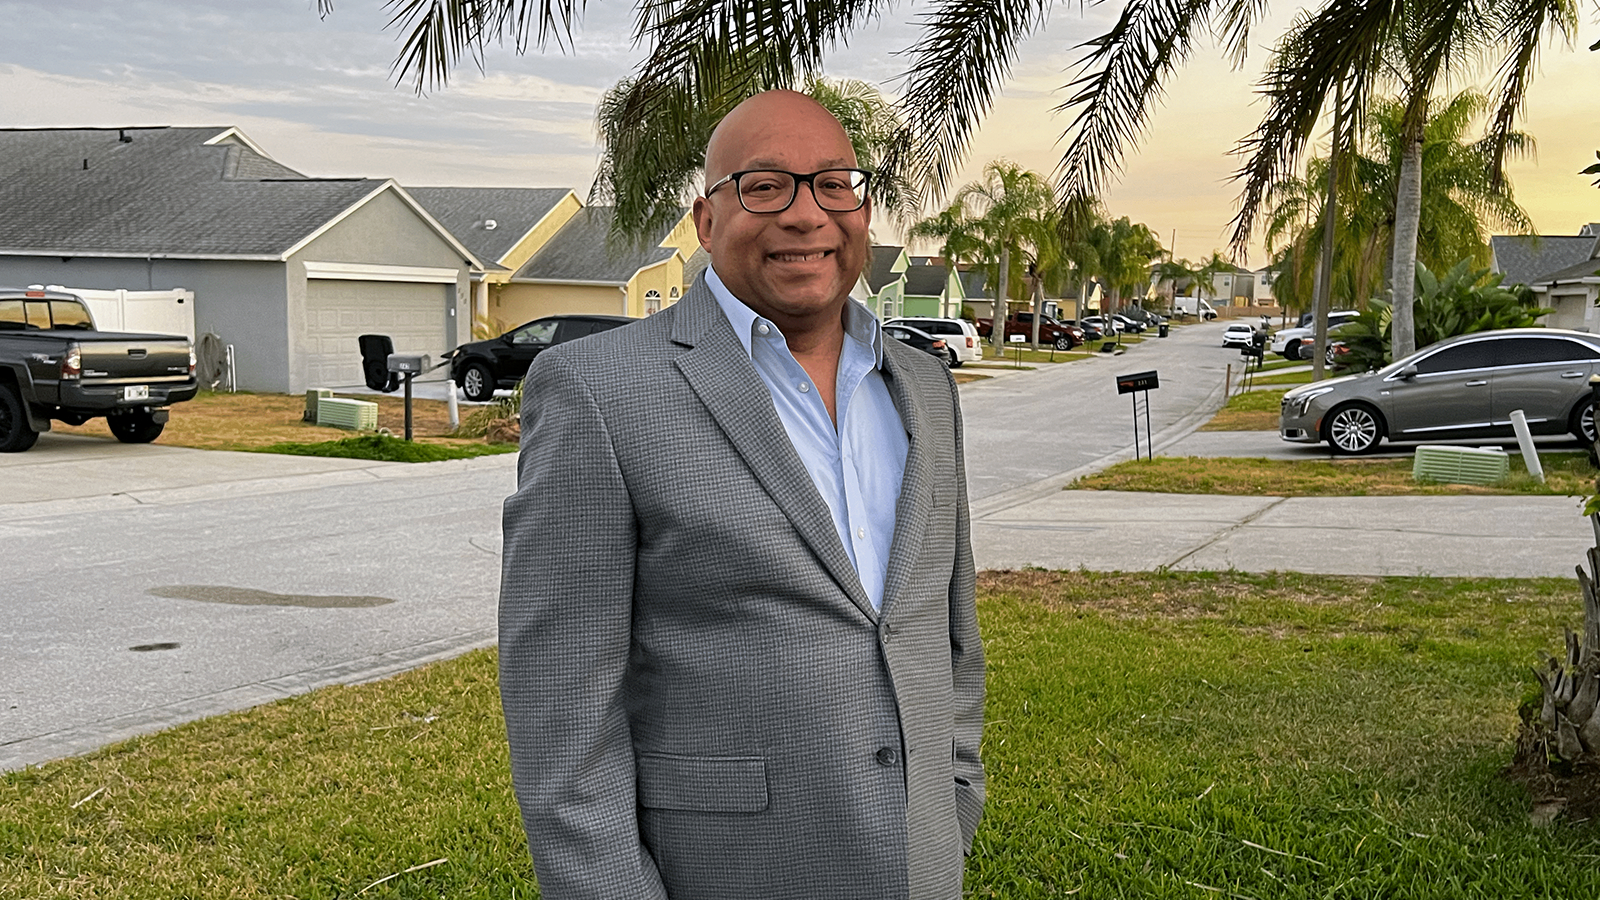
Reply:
x=762 y=328
x=861 y=533
x=887 y=756
x=804 y=387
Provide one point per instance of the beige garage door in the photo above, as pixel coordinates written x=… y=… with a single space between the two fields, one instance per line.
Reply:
x=337 y=312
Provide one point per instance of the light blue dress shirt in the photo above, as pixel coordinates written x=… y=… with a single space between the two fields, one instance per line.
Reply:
x=858 y=466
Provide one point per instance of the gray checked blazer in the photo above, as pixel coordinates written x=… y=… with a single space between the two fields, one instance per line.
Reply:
x=700 y=700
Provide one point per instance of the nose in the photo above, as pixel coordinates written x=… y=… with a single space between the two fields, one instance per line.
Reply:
x=804 y=212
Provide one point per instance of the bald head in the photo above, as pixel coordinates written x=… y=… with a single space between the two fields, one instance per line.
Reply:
x=774 y=115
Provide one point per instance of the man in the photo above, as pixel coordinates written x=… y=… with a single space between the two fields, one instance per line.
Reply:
x=739 y=657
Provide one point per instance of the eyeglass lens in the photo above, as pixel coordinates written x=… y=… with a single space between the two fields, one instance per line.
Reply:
x=836 y=190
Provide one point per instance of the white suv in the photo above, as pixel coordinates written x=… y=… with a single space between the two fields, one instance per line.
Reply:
x=961 y=339
x=1295 y=343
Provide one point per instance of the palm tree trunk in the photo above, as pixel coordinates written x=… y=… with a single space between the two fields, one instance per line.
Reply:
x=1037 y=296
x=1320 y=304
x=1002 y=308
x=1407 y=218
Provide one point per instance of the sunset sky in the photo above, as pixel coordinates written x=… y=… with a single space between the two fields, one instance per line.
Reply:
x=318 y=96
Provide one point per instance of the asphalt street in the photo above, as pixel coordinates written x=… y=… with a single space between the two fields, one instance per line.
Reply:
x=145 y=586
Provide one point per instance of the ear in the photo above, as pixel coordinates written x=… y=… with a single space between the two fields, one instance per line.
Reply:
x=702 y=221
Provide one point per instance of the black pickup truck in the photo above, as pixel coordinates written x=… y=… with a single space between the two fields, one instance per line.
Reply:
x=55 y=365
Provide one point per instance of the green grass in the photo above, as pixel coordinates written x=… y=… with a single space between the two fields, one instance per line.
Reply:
x=1249 y=411
x=1566 y=474
x=1285 y=378
x=1155 y=735
x=384 y=448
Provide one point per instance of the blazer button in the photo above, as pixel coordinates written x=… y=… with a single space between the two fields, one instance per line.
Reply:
x=888 y=756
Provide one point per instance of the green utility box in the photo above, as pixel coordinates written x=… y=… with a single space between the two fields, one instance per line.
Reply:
x=1460 y=465
x=355 y=415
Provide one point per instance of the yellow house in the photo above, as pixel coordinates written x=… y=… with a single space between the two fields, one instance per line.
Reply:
x=580 y=269
x=545 y=253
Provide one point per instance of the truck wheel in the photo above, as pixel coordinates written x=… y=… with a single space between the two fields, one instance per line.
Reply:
x=477 y=382
x=136 y=427
x=1063 y=343
x=16 y=435
x=1292 y=351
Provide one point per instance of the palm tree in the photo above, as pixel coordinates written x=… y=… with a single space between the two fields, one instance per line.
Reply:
x=1124 y=250
x=649 y=165
x=1005 y=218
x=1458 y=198
x=705 y=55
x=1169 y=272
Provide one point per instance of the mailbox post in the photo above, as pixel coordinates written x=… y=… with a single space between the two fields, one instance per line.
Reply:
x=1140 y=383
x=408 y=366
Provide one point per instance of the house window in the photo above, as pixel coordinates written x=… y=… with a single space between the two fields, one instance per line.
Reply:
x=652 y=302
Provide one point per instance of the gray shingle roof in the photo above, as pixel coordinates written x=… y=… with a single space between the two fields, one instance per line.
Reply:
x=925 y=281
x=580 y=251
x=973 y=284
x=162 y=191
x=1584 y=269
x=464 y=211
x=879 y=271
x=1525 y=259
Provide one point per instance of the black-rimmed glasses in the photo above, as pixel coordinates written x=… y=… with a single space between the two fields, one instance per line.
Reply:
x=774 y=190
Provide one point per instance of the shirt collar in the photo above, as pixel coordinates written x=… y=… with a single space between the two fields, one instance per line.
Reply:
x=859 y=322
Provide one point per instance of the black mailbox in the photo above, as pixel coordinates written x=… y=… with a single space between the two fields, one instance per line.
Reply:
x=375 y=352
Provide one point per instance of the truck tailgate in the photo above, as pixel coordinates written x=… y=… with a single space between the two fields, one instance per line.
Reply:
x=135 y=358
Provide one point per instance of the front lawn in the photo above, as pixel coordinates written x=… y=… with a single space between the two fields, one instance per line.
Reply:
x=1249 y=411
x=246 y=421
x=1566 y=474
x=1154 y=735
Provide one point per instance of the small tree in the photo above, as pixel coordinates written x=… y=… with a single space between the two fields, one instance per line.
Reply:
x=1464 y=301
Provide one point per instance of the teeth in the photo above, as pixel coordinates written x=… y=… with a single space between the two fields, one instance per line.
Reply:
x=799 y=257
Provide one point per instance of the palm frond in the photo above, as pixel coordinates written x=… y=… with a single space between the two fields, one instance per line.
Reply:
x=1120 y=78
x=965 y=51
x=1340 y=42
x=1526 y=21
x=437 y=33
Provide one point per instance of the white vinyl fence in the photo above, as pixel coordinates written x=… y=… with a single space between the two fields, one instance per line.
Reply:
x=140 y=312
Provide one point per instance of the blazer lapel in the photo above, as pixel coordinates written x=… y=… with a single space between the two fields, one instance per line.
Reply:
x=720 y=371
x=916 y=487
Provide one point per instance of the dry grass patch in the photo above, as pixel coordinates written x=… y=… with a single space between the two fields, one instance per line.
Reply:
x=1250 y=411
x=245 y=421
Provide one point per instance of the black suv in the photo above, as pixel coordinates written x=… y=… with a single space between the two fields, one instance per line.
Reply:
x=482 y=366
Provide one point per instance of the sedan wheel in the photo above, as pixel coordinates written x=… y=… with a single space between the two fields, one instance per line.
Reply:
x=477 y=382
x=1353 y=429
x=1583 y=422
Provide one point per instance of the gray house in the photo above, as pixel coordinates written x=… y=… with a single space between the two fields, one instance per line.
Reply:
x=1564 y=270
x=288 y=269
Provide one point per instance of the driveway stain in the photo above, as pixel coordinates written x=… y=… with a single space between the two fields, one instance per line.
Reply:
x=237 y=596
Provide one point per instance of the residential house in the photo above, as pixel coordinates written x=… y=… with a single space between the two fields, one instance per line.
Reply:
x=287 y=269
x=581 y=269
x=1563 y=270
x=886 y=280
x=932 y=289
x=503 y=227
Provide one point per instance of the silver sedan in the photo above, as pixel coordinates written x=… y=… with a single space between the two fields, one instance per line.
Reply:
x=1461 y=387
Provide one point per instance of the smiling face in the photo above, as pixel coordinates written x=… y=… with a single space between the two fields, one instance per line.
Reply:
x=795 y=267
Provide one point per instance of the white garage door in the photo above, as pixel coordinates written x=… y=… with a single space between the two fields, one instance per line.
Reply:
x=337 y=312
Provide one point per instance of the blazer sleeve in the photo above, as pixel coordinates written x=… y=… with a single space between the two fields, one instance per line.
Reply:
x=566 y=601
x=966 y=655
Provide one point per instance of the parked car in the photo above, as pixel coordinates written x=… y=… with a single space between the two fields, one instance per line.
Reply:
x=54 y=364
x=1295 y=343
x=1107 y=327
x=919 y=339
x=963 y=344
x=1239 y=334
x=1461 y=387
x=1054 y=332
x=1090 y=332
x=481 y=366
x=1129 y=325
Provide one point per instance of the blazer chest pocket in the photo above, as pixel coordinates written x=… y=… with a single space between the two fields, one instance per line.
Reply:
x=702 y=783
